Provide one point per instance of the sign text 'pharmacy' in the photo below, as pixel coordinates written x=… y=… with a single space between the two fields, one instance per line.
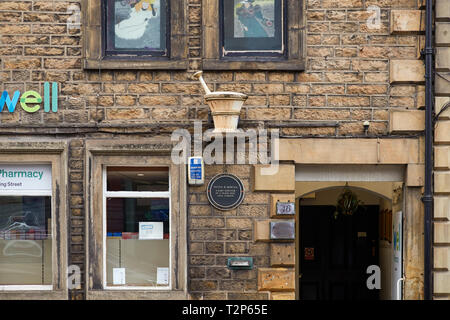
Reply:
x=25 y=177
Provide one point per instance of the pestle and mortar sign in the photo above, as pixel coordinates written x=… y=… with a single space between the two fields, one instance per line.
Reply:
x=224 y=191
x=252 y=146
x=225 y=106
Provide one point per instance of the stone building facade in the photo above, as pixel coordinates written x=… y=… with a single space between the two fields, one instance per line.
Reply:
x=350 y=72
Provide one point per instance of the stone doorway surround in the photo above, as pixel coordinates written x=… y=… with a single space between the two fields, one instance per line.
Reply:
x=281 y=278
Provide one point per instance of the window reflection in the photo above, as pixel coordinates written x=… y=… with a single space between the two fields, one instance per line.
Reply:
x=25 y=241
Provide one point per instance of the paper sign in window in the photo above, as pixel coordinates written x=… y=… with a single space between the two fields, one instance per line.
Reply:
x=151 y=230
x=118 y=276
x=162 y=276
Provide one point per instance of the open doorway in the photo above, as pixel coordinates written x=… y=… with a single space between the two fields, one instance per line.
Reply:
x=336 y=249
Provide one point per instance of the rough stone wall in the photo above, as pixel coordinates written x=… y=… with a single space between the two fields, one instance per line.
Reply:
x=346 y=82
x=215 y=235
x=347 y=76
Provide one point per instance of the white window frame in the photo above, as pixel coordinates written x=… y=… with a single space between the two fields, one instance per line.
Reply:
x=145 y=152
x=134 y=195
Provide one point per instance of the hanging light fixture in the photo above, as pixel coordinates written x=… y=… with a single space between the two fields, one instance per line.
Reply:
x=347 y=202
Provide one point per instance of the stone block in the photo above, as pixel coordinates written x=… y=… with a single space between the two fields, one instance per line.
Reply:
x=207 y=223
x=442 y=258
x=441 y=157
x=248 y=296
x=443 y=59
x=439 y=103
x=282 y=254
x=420 y=97
x=203 y=285
x=442 y=83
x=442 y=10
x=407 y=21
x=282 y=296
x=442 y=282
x=442 y=34
x=415 y=175
x=442 y=232
x=351 y=151
x=274 y=198
x=407 y=71
x=442 y=182
x=276 y=279
x=406 y=121
x=442 y=207
x=279 y=178
x=262 y=230
x=442 y=132
x=440 y=298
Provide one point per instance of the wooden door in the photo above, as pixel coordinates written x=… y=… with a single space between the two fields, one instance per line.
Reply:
x=335 y=253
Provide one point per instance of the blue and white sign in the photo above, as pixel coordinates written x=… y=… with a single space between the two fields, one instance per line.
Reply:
x=196 y=172
x=151 y=230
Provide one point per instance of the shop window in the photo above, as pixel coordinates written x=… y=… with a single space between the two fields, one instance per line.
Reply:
x=135 y=34
x=136 y=244
x=25 y=225
x=253 y=34
x=137 y=226
x=33 y=238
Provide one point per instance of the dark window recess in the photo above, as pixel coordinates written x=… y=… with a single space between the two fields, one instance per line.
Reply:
x=138 y=179
x=136 y=27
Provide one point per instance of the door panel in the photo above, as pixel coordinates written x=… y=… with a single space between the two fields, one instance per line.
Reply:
x=335 y=253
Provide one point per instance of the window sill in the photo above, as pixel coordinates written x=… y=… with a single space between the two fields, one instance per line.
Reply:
x=34 y=295
x=136 y=294
x=135 y=64
x=22 y=288
x=286 y=65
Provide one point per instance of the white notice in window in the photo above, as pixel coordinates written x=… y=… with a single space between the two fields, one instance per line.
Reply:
x=162 y=276
x=118 y=276
x=151 y=230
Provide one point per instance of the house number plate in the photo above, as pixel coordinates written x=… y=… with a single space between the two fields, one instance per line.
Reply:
x=287 y=208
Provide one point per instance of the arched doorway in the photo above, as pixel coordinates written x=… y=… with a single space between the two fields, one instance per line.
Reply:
x=335 y=249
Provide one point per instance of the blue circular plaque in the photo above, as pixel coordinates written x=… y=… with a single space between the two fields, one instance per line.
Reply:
x=225 y=191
